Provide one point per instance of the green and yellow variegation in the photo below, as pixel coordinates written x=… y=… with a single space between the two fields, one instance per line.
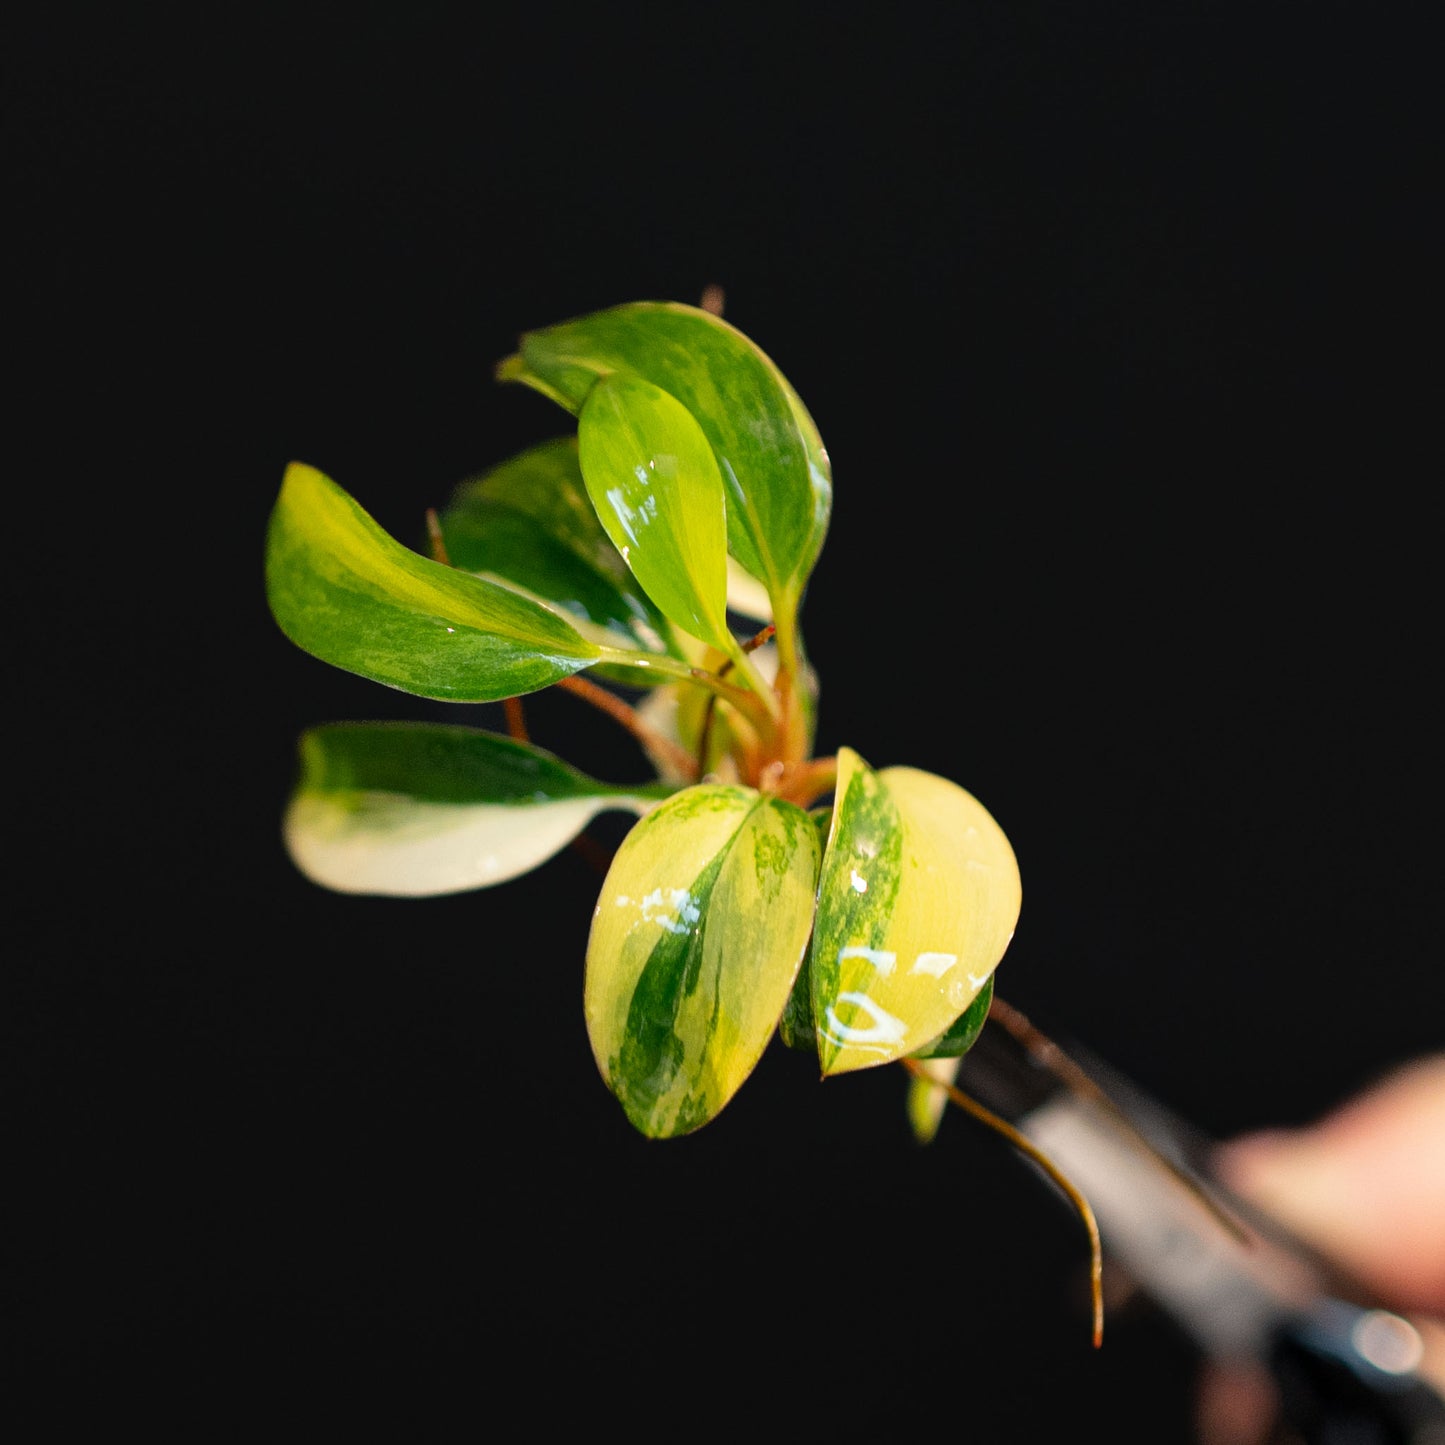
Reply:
x=529 y=524
x=666 y=549
x=696 y=941
x=777 y=474
x=919 y=897
x=926 y=1098
x=656 y=488
x=341 y=588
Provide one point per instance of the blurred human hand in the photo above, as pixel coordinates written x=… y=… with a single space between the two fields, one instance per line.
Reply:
x=1365 y=1186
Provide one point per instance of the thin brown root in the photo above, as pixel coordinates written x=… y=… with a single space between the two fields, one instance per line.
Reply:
x=1047 y=1054
x=627 y=717
x=1025 y=1145
x=434 y=536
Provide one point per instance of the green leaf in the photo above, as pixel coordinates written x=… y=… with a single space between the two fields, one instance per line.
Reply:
x=961 y=1035
x=777 y=474
x=417 y=809
x=919 y=898
x=655 y=486
x=530 y=524
x=926 y=1100
x=697 y=938
x=795 y=1027
x=344 y=590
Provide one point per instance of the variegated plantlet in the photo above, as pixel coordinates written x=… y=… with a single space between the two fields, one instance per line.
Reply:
x=662 y=548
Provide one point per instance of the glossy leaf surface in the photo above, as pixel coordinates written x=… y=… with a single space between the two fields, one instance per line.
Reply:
x=655 y=485
x=795 y=1027
x=419 y=809
x=698 y=936
x=962 y=1034
x=927 y=1103
x=919 y=898
x=341 y=588
x=530 y=524
x=778 y=479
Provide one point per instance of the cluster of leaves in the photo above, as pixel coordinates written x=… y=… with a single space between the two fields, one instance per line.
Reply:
x=664 y=548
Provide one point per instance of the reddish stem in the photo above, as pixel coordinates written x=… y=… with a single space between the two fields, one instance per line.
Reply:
x=627 y=717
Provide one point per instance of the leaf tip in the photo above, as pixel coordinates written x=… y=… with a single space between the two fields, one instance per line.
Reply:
x=296 y=472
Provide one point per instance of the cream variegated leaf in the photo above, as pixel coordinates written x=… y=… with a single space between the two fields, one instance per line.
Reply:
x=383 y=843
x=417 y=810
x=696 y=941
x=919 y=897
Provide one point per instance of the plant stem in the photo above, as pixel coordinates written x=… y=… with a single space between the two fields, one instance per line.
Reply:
x=801 y=783
x=759 y=687
x=434 y=537
x=627 y=717
x=516 y=719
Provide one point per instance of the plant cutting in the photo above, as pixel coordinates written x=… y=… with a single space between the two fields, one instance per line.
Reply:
x=653 y=559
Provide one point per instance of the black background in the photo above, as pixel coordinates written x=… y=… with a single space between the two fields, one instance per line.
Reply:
x=1121 y=325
